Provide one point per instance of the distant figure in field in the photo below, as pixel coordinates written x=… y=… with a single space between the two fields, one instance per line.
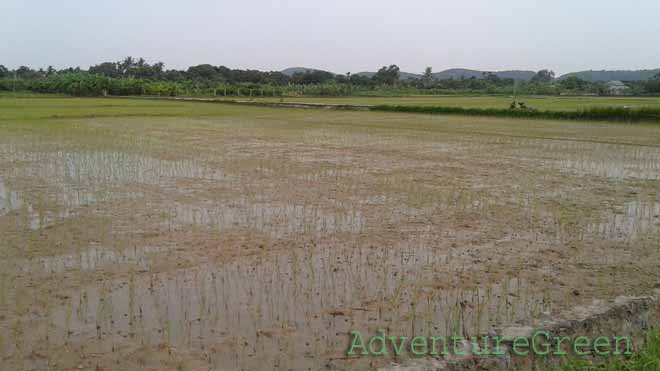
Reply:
x=522 y=105
x=513 y=105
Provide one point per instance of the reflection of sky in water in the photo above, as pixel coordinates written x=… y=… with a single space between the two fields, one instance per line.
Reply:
x=77 y=179
x=30 y=217
x=635 y=220
x=108 y=167
x=276 y=220
x=257 y=311
x=9 y=200
x=614 y=169
x=90 y=259
x=66 y=200
x=583 y=158
x=291 y=310
x=613 y=161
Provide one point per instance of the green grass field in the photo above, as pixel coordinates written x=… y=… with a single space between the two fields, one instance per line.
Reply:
x=24 y=106
x=31 y=108
x=26 y=94
x=540 y=103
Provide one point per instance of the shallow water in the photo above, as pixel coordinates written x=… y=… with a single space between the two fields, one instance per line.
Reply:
x=283 y=311
x=633 y=221
x=277 y=221
x=260 y=239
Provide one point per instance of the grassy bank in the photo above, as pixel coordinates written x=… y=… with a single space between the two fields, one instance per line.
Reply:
x=543 y=103
x=26 y=94
x=620 y=114
x=648 y=359
x=29 y=108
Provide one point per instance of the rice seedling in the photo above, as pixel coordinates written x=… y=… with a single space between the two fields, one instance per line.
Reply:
x=252 y=236
x=620 y=114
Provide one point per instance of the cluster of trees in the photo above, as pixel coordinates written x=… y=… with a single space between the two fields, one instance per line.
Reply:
x=203 y=74
x=651 y=86
x=543 y=82
x=132 y=76
x=387 y=75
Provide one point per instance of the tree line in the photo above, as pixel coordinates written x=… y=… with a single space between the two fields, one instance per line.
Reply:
x=132 y=76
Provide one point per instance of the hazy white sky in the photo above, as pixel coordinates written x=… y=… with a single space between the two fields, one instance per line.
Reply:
x=337 y=35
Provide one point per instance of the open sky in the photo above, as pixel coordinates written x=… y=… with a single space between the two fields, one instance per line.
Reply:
x=337 y=35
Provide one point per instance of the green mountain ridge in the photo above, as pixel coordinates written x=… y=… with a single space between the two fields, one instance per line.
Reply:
x=620 y=75
x=294 y=70
x=458 y=73
x=522 y=75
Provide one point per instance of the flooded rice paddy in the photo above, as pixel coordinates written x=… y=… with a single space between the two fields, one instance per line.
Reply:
x=217 y=237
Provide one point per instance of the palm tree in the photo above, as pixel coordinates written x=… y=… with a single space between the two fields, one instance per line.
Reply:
x=126 y=65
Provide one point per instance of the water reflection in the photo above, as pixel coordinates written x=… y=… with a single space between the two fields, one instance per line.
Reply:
x=61 y=202
x=608 y=160
x=290 y=311
x=633 y=221
x=9 y=199
x=91 y=259
x=612 y=168
x=277 y=220
x=108 y=167
x=588 y=158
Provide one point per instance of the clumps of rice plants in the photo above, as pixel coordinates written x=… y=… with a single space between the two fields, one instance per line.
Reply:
x=620 y=114
x=648 y=358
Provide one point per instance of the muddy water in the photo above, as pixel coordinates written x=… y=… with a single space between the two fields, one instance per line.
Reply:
x=633 y=221
x=290 y=311
x=276 y=220
x=89 y=260
x=613 y=161
x=257 y=250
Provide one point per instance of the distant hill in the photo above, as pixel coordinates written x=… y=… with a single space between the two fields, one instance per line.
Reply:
x=293 y=70
x=402 y=75
x=457 y=73
x=409 y=76
x=516 y=75
x=603 y=75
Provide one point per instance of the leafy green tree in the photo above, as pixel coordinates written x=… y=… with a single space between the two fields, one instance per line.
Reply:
x=158 y=69
x=204 y=73
x=387 y=75
x=652 y=86
x=573 y=83
x=492 y=78
x=109 y=69
x=4 y=71
x=24 y=72
x=174 y=75
x=427 y=77
x=543 y=77
x=126 y=66
x=360 y=80
x=312 y=77
x=342 y=79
